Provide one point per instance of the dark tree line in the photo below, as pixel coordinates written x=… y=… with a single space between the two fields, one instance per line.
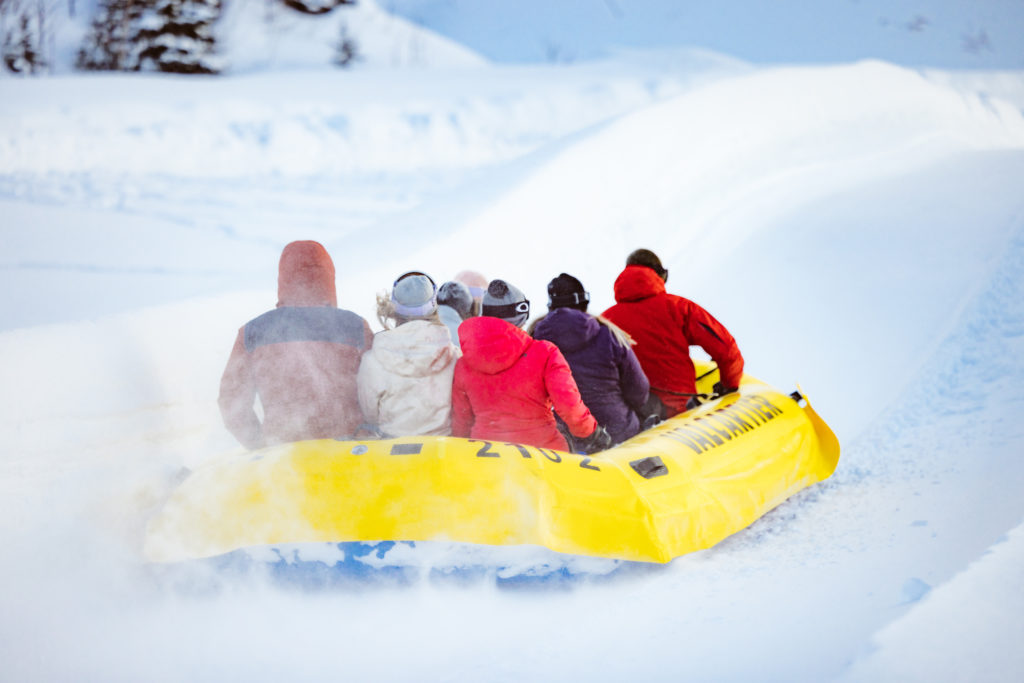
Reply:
x=24 y=34
x=171 y=36
x=174 y=36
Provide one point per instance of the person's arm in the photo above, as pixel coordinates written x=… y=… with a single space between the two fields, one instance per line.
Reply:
x=368 y=391
x=632 y=381
x=705 y=331
x=462 y=410
x=237 y=395
x=565 y=395
x=367 y=336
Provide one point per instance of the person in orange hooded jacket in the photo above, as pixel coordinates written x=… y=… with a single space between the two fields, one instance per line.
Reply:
x=300 y=359
x=664 y=326
x=506 y=382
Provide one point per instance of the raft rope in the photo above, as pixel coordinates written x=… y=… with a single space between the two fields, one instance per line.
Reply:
x=703 y=397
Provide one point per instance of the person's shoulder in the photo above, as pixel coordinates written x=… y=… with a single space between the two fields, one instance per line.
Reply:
x=544 y=346
x=548 y=349
x=446 y=313
x=685 y=304
x=266 y=315
x=345 y=314
x=429 y=331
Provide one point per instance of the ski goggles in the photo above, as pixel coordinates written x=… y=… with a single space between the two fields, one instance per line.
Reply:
x=507 y=310
x=573 y=299
x=426 y=308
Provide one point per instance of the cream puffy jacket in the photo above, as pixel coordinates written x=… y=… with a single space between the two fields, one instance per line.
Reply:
x=405 y=380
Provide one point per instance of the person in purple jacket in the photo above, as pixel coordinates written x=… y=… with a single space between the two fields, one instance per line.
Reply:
x=604 y=366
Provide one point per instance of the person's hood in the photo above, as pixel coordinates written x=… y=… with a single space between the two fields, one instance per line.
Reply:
x=637 y=282
x=418 y=348
x=305 y=276
x=570 y=329
x=492 y=345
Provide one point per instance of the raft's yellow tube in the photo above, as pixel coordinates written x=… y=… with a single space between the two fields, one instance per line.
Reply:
x=679 y=487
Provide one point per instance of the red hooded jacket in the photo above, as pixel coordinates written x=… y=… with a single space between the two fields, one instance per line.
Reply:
x=664 y=326
x=301 y=359
x=506 y=383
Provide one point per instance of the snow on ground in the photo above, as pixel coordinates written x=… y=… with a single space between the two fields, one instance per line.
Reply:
x=936 y=641
x=859 y=227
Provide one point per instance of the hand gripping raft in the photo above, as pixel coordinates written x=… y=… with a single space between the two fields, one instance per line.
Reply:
x=680 y=487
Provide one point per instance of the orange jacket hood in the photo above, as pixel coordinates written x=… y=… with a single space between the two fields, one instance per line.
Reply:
x=305 y=276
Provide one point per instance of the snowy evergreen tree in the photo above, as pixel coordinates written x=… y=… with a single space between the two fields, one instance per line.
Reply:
x=346 y=51
x=181 y=38
x=315 y=7
x=174 y=36
x=112 y=42
x=23 y=42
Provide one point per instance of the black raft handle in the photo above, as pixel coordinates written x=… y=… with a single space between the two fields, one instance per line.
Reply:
x=651 y=467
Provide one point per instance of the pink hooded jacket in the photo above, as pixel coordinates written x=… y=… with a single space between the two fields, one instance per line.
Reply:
x=506 y=384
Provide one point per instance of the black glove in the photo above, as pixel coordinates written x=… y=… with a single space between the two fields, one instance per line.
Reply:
x=653 y=407
x=600 y=440
x=721 y=390
x=650 y=421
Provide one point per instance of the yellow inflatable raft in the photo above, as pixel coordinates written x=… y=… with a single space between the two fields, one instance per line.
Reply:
x=679 y=487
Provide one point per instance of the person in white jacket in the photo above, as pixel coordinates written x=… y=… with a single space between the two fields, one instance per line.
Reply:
x=405 y=380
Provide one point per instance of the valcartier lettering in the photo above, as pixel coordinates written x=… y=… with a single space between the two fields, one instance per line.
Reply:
x=725 y=423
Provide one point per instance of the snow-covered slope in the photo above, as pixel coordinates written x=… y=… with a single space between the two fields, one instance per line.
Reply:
x=235 y=160
x=258 y=35
x=937 y=640
x=859 y=227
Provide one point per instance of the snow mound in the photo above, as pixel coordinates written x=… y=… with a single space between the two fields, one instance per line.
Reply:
x=261 y=36
x=723 y=161
x=937 y=639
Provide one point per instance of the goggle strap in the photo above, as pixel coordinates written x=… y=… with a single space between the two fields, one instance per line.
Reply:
x=506 y=310
x=569 y=299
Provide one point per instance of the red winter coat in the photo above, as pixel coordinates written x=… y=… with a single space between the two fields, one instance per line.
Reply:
x=506 y=383
x=664 y=327
x=301 y=359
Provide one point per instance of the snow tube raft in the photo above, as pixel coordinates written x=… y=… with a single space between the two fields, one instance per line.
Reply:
x=679 y=487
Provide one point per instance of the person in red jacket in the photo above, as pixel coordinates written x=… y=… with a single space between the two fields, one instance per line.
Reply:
x=507 y=383
x=300 y=359
x=664 y=326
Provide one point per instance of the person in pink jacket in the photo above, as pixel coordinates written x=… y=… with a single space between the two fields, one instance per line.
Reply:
x=507 y=383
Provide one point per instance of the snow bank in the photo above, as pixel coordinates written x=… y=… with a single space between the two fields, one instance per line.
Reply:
x=945 y=637
x=717 y=160
x=309 y=124
x=794 y=159
x=261 y=36
x=858 y=227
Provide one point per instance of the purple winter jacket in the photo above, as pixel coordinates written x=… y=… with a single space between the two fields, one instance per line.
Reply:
x=606 y=371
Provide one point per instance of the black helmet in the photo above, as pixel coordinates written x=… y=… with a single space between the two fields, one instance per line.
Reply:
x=565 y=291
